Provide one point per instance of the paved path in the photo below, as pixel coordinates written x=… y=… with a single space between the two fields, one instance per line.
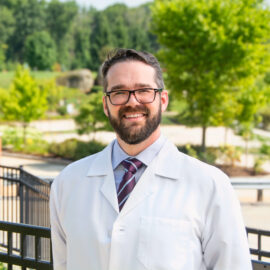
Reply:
x=40 y=167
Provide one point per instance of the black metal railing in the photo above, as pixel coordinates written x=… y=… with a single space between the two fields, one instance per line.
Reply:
x=24 y=198
x=259 y=234
x=19 y=256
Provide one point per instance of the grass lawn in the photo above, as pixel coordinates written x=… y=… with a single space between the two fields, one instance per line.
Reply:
x=7 y=76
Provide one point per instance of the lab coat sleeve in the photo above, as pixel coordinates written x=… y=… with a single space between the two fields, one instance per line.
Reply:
x=57 y=232
x=224 y=241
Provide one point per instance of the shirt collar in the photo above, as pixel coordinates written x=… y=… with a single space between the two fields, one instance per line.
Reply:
x=146 y=156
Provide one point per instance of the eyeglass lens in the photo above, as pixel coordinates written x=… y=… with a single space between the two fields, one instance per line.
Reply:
x=142 y=95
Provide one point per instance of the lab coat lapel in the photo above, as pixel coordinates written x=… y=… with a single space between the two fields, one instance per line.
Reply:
x=163 y=165
x=141 y=191
x=102 y=167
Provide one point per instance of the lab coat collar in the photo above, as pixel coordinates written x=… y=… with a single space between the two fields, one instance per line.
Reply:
x=102 y=163
x=102 y=166
x=165 y=166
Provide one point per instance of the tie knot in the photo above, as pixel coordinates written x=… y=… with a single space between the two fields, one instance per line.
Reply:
x=131 y=164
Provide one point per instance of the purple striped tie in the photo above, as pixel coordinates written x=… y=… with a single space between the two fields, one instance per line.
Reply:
x=131 y=165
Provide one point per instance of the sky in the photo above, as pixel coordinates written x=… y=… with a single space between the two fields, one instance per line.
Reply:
x=101 y=4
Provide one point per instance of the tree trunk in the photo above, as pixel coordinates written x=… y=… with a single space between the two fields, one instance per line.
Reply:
x=203 y=138
x=246 y=152
x=24 y=133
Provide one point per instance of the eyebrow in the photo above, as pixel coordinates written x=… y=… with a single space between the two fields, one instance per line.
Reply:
x=137 y=85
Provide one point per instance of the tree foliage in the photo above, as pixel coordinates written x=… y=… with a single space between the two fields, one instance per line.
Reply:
x=213 y=51
x=81 y=35
x=30 y=18
x=40 y=51
x=26 y=101
x=91 y=117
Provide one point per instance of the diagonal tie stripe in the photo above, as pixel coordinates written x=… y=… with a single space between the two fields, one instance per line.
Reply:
x=128 y=182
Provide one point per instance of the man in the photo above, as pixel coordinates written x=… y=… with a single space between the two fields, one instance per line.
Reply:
x=140 y=203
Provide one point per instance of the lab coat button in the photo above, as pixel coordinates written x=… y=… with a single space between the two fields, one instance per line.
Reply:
x=121 y=229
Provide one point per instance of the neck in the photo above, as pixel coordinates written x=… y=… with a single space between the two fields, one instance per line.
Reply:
x=135 y=149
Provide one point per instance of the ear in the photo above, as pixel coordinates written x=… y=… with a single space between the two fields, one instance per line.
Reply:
x=105 y=105
x=164 y=97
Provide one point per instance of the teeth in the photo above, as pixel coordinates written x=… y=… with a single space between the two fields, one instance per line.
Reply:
x=134 y=115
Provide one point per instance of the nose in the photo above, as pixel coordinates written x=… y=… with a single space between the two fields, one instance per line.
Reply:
x=132 y=99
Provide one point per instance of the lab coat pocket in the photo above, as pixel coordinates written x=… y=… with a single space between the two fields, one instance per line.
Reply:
x=164 y=244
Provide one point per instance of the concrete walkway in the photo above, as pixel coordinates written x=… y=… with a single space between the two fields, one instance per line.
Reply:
x=42 y=167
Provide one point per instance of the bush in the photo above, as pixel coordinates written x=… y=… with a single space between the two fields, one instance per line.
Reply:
x=74 y=149
x=2 y=267
x=12 y=139
x=230 y=154
x=209 y=156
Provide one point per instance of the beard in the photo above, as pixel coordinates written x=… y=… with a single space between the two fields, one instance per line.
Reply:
x=134 y=133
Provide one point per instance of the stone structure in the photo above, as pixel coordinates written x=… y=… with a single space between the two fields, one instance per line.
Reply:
x=81 y=79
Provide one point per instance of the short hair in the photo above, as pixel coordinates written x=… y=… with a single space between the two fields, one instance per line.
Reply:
x=122 y=55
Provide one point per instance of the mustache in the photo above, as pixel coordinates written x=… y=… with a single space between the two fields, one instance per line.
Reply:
x=137 y=108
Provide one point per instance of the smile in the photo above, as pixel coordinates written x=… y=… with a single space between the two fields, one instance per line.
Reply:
x=134 y=115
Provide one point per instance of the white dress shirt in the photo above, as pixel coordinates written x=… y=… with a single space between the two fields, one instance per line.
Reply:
x=146 y=156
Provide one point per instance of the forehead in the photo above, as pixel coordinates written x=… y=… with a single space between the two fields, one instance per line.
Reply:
x=130 y=74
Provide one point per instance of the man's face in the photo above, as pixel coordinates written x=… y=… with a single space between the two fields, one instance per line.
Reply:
x=134 y=122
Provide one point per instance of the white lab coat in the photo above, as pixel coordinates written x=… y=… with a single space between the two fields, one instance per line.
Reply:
x=181 y=215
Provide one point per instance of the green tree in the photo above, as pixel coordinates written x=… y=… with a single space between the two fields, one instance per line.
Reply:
x=26 y=101
x=81 y=32
x=55 y=93
x=3 y=102
x=59 y=19
x=7 y=24
x=6 y=29
x=117 y=14
x=40 y=51
x=211 y=49
x=250 y=101
x=101 y=36
x=30 y=18
x=91 y=117
x=138 y=22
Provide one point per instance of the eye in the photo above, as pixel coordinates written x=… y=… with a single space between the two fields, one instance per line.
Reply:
x=119 y=93
x=144 y=90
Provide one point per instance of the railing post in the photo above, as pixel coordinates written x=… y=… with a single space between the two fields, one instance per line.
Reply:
x=10 y=248
x=259 y=195
x=21 y=191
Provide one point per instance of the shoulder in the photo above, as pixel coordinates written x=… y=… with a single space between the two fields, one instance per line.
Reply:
x=81 y=168
x=190 y=169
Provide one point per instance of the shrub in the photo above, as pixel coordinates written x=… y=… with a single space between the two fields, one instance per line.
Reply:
x=12 y=139
x=2 y=267
x=209 y=156
x=230 y=154
x=74 y=149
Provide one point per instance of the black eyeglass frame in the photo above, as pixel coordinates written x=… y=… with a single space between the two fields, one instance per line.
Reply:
x=108 y=94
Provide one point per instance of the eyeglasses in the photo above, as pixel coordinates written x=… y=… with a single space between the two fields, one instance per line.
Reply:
x=143 y=96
